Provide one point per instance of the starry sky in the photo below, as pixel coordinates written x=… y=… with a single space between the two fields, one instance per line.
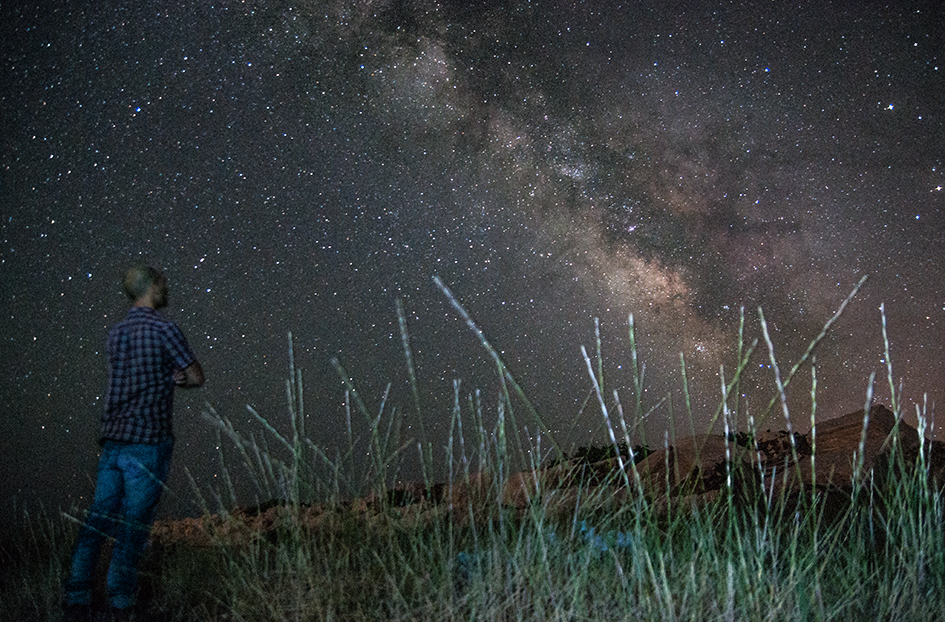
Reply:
x=302 y=166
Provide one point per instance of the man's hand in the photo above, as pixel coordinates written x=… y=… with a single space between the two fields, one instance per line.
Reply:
x=190 y=377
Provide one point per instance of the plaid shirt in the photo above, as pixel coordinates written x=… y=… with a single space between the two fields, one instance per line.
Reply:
x=144 y=349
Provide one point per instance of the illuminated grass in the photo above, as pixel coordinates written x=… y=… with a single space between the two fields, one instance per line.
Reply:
x=471 y=557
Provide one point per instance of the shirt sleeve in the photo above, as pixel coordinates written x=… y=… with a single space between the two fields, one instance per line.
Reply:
x=177 y=345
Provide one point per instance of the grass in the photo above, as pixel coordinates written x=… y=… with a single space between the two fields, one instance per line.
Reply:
x=347 y=546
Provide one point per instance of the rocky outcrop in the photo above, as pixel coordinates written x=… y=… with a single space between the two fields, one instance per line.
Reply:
x=851 y=444
x=836 y=455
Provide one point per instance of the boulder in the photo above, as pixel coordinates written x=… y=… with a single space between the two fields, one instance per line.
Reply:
x=475 y=492
x=841 y=449
x=694 y=465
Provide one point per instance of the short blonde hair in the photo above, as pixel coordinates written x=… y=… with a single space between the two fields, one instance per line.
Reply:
x=138 y=279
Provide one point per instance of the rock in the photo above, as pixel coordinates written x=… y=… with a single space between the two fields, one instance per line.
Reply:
x=476 y=493
x=521 y=488
x=837 y=450
x=690 y=474
x=827 y=457
x=692 y=466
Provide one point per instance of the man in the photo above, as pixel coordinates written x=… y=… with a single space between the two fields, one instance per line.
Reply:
x=148 y=357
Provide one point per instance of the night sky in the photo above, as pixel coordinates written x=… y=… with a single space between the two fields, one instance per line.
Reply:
x=302 y=166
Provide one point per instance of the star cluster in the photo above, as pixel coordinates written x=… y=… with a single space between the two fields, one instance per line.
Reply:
x=303 y=166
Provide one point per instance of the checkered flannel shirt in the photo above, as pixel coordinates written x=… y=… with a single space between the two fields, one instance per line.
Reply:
x=144 y=349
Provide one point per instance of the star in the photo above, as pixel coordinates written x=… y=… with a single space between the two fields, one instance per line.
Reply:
x=308 y=171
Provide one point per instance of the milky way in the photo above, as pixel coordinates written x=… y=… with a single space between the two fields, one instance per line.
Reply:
x=303 y=166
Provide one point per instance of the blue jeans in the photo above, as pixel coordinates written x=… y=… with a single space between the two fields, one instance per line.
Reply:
x=130 y=479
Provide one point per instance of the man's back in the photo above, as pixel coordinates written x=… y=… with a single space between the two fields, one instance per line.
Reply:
x=144 y=350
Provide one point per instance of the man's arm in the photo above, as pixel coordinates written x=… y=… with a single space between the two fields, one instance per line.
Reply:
x=190 y=377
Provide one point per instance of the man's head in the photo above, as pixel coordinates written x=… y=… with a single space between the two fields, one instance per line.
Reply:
x=145 y=286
